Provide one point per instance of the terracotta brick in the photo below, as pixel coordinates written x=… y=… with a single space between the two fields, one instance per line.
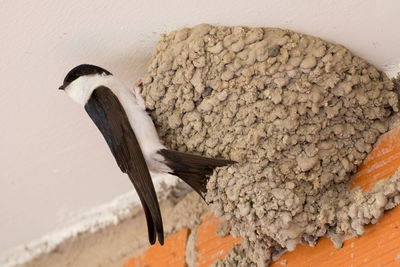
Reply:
x=171 y=254
x=210 y=247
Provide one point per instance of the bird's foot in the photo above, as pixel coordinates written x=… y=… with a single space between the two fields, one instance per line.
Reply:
x=138 y=83
x=139 y=98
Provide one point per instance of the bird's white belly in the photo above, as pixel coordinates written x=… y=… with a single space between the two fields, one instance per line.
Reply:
x=144 y=130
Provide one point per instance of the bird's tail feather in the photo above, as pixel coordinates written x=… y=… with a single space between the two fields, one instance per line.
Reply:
x=194 y=170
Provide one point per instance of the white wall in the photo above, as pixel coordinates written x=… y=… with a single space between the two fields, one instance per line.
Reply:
x=53 y=161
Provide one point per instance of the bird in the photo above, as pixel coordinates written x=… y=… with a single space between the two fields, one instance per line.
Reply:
x=121 y=117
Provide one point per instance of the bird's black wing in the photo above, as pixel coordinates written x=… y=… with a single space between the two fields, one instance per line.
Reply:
x=109 y=116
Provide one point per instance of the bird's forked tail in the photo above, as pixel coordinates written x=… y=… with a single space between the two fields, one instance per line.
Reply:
x=194 y=170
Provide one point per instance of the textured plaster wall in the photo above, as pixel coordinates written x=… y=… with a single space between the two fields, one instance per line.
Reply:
x=54 y=164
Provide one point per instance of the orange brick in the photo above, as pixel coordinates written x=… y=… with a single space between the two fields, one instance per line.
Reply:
x=381 y=163
x=210 y=247
x=171 y=254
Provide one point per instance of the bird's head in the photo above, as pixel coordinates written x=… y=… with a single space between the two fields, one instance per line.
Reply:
x=81 y=80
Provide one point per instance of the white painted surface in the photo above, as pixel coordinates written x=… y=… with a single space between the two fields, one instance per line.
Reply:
x=54 y=163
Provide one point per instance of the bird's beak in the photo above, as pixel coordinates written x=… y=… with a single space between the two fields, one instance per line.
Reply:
x=62 y=87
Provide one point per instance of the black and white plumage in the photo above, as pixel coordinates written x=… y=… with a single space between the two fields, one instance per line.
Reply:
x=121 y=117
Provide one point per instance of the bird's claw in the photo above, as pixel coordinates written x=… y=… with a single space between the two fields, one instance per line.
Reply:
x=139 y=98
x=138 y=83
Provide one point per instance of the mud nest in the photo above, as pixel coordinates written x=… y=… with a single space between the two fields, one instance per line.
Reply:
x=297 y=113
